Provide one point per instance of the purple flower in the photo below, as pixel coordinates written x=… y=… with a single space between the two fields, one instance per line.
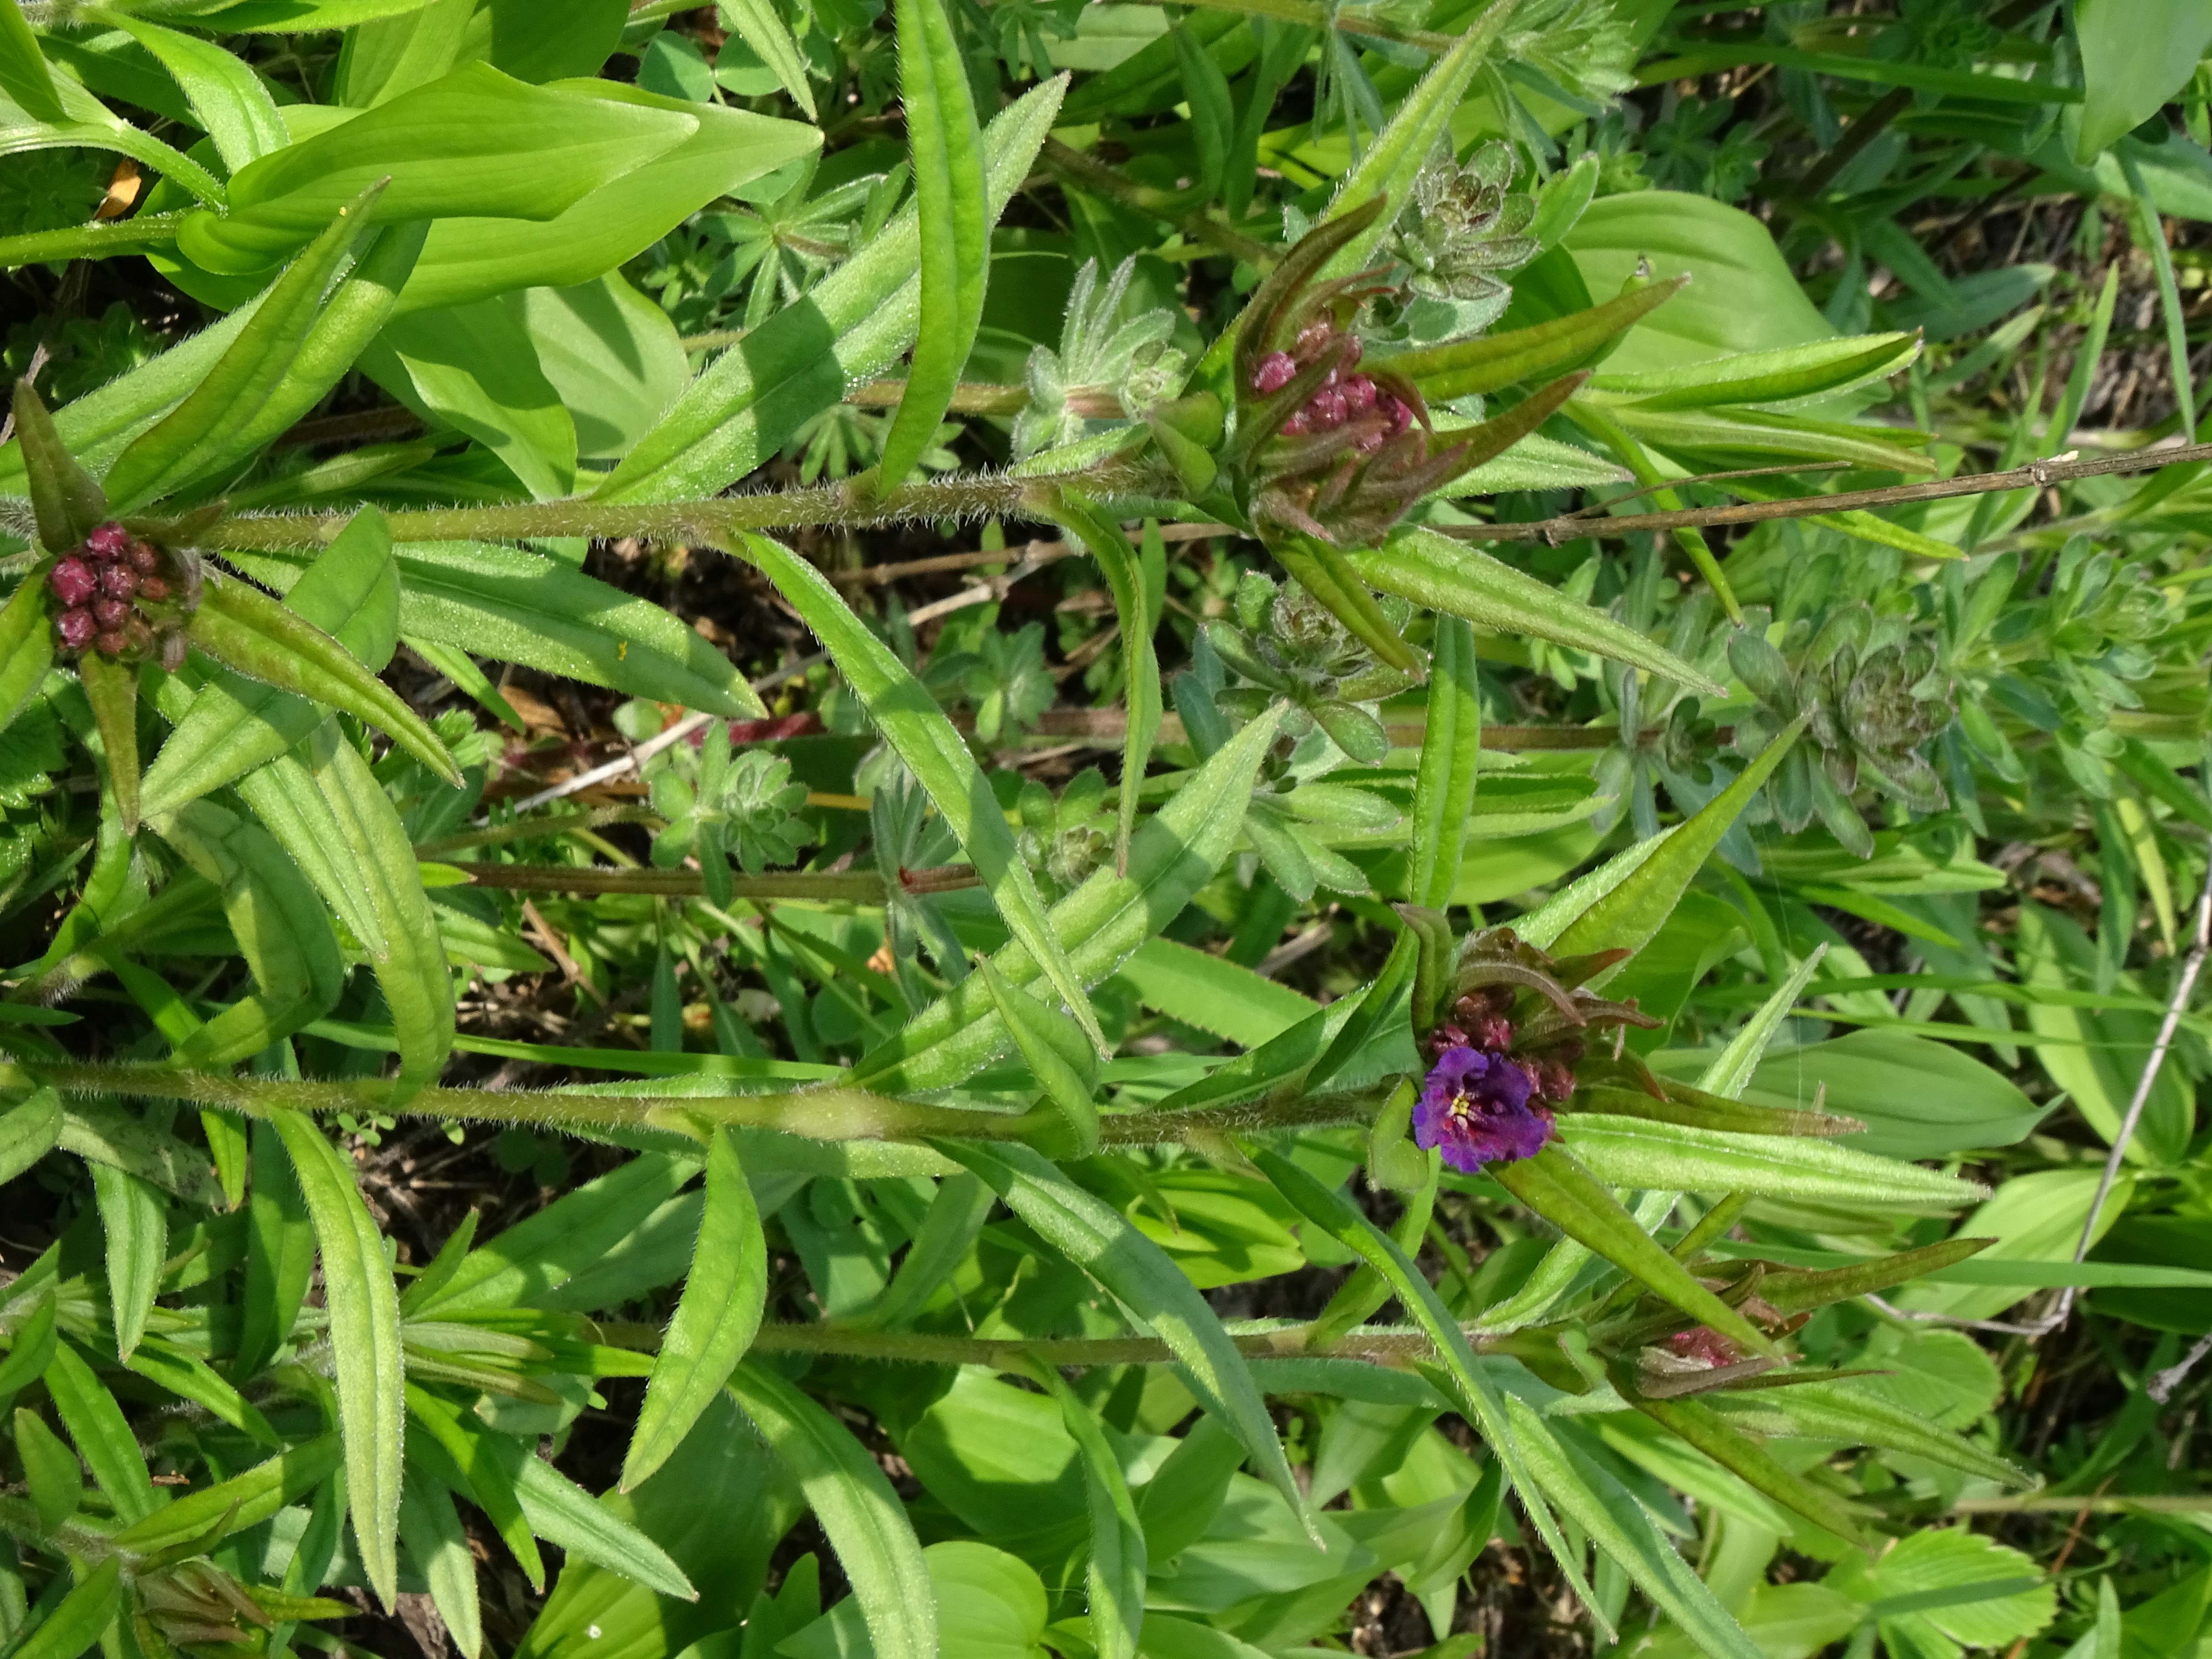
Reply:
x=1474 y=1105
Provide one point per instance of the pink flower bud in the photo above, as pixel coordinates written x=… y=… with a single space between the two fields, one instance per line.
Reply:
x=106 y=540
x=1313 y=340
x=73 y=581
x=1401 y=416
x=143 y=559
x=1325 y=411
x=1276 y=371
x=110 y=613
x=76 y=627
x=1296 y=425
x=1359 y=395
x=118 y=581
x=111 y=643
x=154 y=588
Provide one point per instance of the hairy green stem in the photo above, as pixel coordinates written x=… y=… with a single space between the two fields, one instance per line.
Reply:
x=967 y=495
x=557 y=823
x=846 y=887
x=1384 y=1345
x=101 y=240
x=824 y=1111
x=1308 y=15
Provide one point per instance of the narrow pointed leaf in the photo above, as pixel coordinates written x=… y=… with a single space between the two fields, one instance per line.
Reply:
x=913 y=724
x=947 y=153
x=112 y=688
x=1435 y=571
x=1619 y=1526
x=24 y=76
x=436 y=1541
x=1628 y=915
x=26 y=643
x=1858 y=1416
x=103 y=1434
x=1624 y=1152
x=1732 y=1067
x=1799 y=1290
x=1068 y=1114
x=89 y=1608
x=1113 y=1574
x=1484 y=442
x=29 y=1129
x=202 y=432
x=760 y=27
x=66 y=505
x=1572 y=1198
x=246 y=1499
x=1140 y=670
x=31 y=1349
x=137 y=1223
x=1103 y=1242
x=245 y=629
x=280 y=1255
x=715 y=1318
x=858 y=1512
x=1471 y=367
x=1104 y=922
x=1444 y=789
x=364 y=1324
x=1461 y=1376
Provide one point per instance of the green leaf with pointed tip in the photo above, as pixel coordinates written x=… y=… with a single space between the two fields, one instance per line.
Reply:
x=1103 y=1242
x=1776 y=379
x=245 y=629
x=280 y=928
x=84 y=1615
x=26 y=643
x=29 y=1129
x=136 y=1223
x=1065 y=1065
x=244 y=1500
x=1104 y=922
x=205 y=432
x=31 y=1347
x=1732 y=1067
x=1113 y=1572
x=1491 y=362
x=1574 y=1200
x=232 y=724
x=1741 y=1456
x=112 y=688
x=364 y=1325
x=1461 y=1376
x=918 y=730
x=280 y=1255
x=65 y=503
x=1799 y=1290
x=1323 y=572
x=1435 y=571
x=715 y=1318
x=858 y=1512
x=1628 y=916
x=50 y=1469
x=1484 y=442
x=430 y=1528
x=328 y=811
x=1443 y=788
x=1631 y=1153
x=1837 y=1411
x=103 y=1437
x=853 y=324
x=24 y=76
x=477 y=1467
x=947 y=153
x=760 y=27
x=1140 y=668
x=1612 y=1518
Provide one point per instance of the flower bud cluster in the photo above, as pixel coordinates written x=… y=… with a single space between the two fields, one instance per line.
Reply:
x=1343 y=399
x=123 y=596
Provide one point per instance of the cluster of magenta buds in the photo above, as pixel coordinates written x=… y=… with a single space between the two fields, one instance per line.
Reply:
x=124 y=598
x=1504 y=1053
x=1369 y=414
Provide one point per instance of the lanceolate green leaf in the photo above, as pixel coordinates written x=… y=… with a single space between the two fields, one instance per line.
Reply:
x=280 y=1255
x=24 y=76
x=715 y=1317
x=1433 y=570
x=137 y=1223
x=1492 y=361
x=112 y=688
x=1626 y=916
x=87 y=1610
x=234 y=106
x=1461 y=1375
x=853 y=324
x=1117 y=561
x=232 y=724
x=1103 y=922
x=328 y=812
x=853 y=1500
x=955 y=226
x=1444 y=789
x=760 y=26
x=243 y=629
x=1627 y=1151
x=202 y=433
x=431 y=1530
x=1612 y=1518
x=244 y=1500
x=913 y=724
x=102 y=1435
x=1114 y=1575
x=26 y=643
x=364 y=1315
x=1103 y=1242
x=1856 y=1415
x=1559 y=1189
